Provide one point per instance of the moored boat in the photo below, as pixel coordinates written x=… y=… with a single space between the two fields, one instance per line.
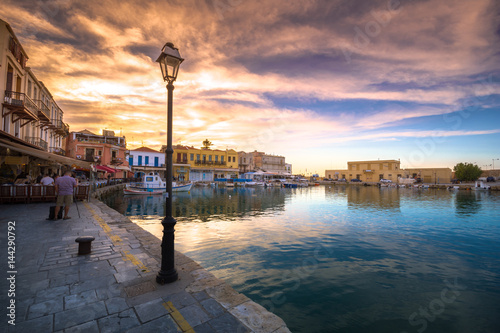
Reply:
x=153 y=184
x=479 y=186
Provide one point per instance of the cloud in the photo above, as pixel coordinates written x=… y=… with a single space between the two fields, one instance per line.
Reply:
x=247 y=62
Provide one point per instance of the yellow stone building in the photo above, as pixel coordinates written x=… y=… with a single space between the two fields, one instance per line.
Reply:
x=374 y=171
x=194 y=164
x=368 y=171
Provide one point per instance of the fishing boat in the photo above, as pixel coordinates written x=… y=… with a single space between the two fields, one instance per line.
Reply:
x=153 y=184
x=143 y=191
x=479 y=186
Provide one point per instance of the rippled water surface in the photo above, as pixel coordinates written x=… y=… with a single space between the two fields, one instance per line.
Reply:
x=345 y=258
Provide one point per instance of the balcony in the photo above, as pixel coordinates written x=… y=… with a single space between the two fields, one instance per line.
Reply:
x=98 y=139
x=116 y=161
x=37 y=142
x=59 y=127
x=181 y=161
x=208 y=163
x=57 y=151
x=21 y=107
x=43 y=112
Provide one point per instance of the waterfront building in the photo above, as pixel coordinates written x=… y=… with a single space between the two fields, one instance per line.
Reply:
x=107 y=151
x=31 y=122
x=374 y=171
x=368 y=171
x=144 y=160
x=203 y=164
x=430 y=175
x=256 y=161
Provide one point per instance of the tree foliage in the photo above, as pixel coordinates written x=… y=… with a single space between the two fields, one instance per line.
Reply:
x=467 y=171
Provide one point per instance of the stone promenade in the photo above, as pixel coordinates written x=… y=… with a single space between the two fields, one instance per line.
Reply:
x=112 y=289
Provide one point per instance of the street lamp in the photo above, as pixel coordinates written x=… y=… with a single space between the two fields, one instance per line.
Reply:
x=169 y=60
x=493 y=159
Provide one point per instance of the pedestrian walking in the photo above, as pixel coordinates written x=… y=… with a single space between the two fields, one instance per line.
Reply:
x=64 y=189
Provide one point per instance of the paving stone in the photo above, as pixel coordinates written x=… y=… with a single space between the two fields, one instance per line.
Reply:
x=41 y=324
x=81 y=299
x=119 y=322
x=204 y=328
x=88 y=327
x=51 y=293
x=114 y=290
x=264 y=321
x=80 y=315
x=194 y=315
x=180 y=299
x=116 y=304
x=44 y=308
x=63 y=271
x=162 y=324
x=227 y=323
x=103 y=281
x=64 y=280
x=212 y=307
x=151 y=310
x=127 y=275
x=200 y=296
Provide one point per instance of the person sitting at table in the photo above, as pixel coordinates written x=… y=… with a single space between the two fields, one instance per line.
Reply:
x=47 y=180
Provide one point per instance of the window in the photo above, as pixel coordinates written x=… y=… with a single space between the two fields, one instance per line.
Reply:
x=204 y=158
x=210 y=158
x=157 y=161
x=222 y=159
x=197 y=157
x=191 y=157
x=131 y=160
x=216 y=158
x=139 y=160
x=234 y=158
x=146 y=160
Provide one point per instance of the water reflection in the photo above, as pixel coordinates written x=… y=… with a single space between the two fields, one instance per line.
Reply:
x=204 y=204
x=344 y=258
x=468 y=203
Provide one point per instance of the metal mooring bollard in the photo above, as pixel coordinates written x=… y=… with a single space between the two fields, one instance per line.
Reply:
x=84 y=244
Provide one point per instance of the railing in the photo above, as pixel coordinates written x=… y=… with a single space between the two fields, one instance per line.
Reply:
x=18 y=99
x=43 y=108
x=182 y=161
x=116 y=160
x=57 y=151
x=198 y=162
x=60 y=126
x=37 y=142
x=111 y=141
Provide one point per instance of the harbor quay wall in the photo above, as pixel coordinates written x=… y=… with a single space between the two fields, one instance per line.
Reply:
x=463 y=186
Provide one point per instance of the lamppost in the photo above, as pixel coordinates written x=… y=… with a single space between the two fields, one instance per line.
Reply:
x=493 y=160
x=169 y=60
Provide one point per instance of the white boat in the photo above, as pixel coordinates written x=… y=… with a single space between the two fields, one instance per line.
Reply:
x=254 y=184
x=181 y=188
x=479 y=186
x=143 y=191
x=153 y=183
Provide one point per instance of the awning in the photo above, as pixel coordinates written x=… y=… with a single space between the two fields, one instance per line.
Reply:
x=105 y=169
x=120 y=167
x=44 y=155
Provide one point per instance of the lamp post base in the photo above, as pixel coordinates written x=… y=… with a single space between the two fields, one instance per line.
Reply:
x=166 y=277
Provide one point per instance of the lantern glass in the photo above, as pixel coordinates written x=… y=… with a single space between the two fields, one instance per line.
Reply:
x=170 y=61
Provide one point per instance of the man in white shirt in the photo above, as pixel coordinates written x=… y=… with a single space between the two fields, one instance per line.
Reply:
x=47 y=180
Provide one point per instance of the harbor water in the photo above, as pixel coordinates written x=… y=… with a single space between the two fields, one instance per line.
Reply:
x=345 y=258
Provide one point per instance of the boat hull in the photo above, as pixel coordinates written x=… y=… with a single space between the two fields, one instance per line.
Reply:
x=143 y=191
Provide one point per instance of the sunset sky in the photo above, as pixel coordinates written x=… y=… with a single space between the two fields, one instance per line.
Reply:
x=321 y=82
